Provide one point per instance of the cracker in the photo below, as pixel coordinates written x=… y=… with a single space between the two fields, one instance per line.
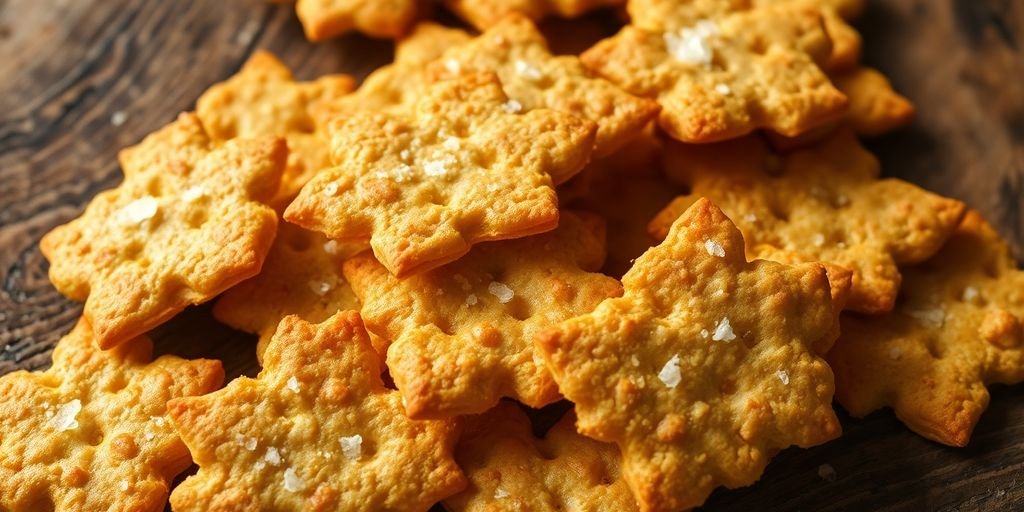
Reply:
x=534 y=78
x=264 y=99
x=463 y=333
x=90 y=433
x=394 y=88
x=704 y=368
x=423 y=188
x=388 y=19
x=484 y=14
x=301 y=276
x=188 y=222
x=825 y=203
x=510 y=469
x=316 y=430
x=958 y=327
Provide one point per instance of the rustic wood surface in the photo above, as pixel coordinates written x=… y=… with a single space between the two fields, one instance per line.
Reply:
x=80 y=79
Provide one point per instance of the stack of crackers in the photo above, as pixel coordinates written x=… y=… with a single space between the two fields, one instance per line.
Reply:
x=676 y=237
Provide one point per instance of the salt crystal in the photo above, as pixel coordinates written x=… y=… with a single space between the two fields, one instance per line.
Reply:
x=158 y=420
x=723 y=331
x=193 y=193
x=124 y=486
x=723 y=89
x=527 y=71
x=471 y=300
x=970 y=293
x=634 y=360
x=331 y=188
x=502 y=292
x=320 y=287
x=669 y=374
x=292 y=482
x=453 y=66
x=452 y=144
x=691 y=45
x=436 y=168
x=149 y=436
x=65 y=419
x=352 y=446
x=783 y=376
x=512 y=107
x=704 y=333
x=500 y=493
x=273 y=456
x=331 y=247
x=118 y=118
x=259 y=465
x=249 y=443
x=138 y=211
x=293 y=384
x=714 y=248
x=818 y=239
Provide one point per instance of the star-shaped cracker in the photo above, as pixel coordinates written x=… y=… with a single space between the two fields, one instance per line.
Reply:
x=462 y=334
x=317 y=430
x=534 y=78
x=394 y=88
x=301 y=276
x=722 y=77
x=460 y=169
x=484 y=14
x=825 y=203
x=959 y=326
x=510 y=469
x=704 y=368
x=324 y=19
x=188 y=222
x=264 y=99
x=90 y=432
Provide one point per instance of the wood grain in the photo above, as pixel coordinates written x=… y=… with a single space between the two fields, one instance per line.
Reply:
x=80 y=79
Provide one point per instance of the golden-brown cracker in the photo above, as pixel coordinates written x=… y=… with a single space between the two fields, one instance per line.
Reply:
x=301 y=276
x=825 y=203
x=264 y=99
x=510 y=469
x=462 y=334
x=324 y=19
x=721 y=78
x=394 y=88
x=188 y=222
x=534 y=78
x=484 y=14
x=461 y=169
x=958 y=326
x=704 y=368
x=316 y=430
x=90 y=433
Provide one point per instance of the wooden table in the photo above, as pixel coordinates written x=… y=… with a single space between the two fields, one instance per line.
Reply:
x=80 y=79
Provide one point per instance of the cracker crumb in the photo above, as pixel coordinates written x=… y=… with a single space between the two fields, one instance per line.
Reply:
x=400 y=174
x=293 y=384
x=714 y=248
x=827 y=472
x=292 y=482
x=723 y=331
x=66 y=417
x=527 y=70
x=500 y=493
x=438 y=168
x=670 y=374
x=118 y=118
x=512 y=107
x=331 y=188
x=138 y=211
x=471 y=299
x=783 y=376
x=273 y=456
x=895 y=353
x=193 y=193
x=634 y=360
x=970 y=293
x=691 y=45
x=818 y=239
x=249 y=443
x=723 y=89
x=501 y=291
x=352 y=446
x=934 y=318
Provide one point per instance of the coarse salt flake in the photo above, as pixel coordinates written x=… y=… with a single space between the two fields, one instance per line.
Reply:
x=331 y=188
x=818 y=239
x=501 y=291
x=436 y=168
x=453 y=66
x=331 y=247
x=723 y=331
x=512 y=107
x=500 y=493
x=670 y=374
x=704 y=333
x=158 y=421
x=293 y=384
x=320 y=287
x=714 y=248
x=149 y=436
x=723 y=89
x=273 y=456
x=634 y=360
x=193 y=193
x=138 y=211
x=352 y=446
x=66 y=417
x=292 y=482
x=527 y=70
x=124 y=486
x=452 y=144
x=249 y=443
x=691 y=45
x=970 y=293
x=783 y=376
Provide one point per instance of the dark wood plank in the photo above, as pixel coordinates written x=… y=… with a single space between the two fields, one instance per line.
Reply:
x=81 y=79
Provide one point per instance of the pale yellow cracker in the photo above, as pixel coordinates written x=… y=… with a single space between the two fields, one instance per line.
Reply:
x=704 y=368
x=90 y=432
x=462 y=334
x=460 y=169
x=316 y=430
x=958 y=326
x=188 y=222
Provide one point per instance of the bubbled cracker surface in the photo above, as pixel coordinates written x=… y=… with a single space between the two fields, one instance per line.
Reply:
x=958 y=326
x=188 y=222
x=424 y=187
x=275 y=442
x=118 y=452
x=324 y=19
x=825 y=203
x=301 y=276
x=264 y=99
x=510 y=469
x=725 y=409
x=462 y=334
x=760 y=69
x=484 y=14
x=534 y=78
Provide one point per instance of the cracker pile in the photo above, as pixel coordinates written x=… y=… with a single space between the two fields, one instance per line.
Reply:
x=676 y=237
